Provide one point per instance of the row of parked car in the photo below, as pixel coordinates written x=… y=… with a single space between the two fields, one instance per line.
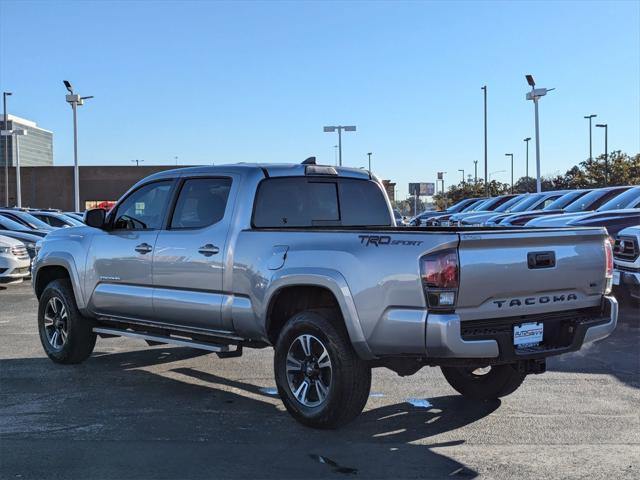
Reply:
x=20 y=231
x=615 y=208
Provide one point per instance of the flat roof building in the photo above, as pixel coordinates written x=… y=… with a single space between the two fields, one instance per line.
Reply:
x=52 y=187
x=36 y=147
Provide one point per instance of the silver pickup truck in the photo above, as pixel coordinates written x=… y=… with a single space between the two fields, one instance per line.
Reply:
x=307 y=259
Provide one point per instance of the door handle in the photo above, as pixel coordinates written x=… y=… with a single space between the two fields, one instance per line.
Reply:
x=541 y=260
x=208 y=250
x=143 y=248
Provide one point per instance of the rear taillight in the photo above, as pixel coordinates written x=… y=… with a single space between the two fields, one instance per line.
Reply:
x=608 y=250
x=439 y=274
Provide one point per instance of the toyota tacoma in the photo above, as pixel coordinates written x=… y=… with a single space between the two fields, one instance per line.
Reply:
x=307 y=259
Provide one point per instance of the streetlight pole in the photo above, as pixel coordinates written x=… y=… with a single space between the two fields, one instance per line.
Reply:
x=486 y=186
x=15 y=134
x=6 y=148
x=137 y=162
x=339 y=129
x=462 y=170
x=526 y=140
x=75 y=101
x=18 y=134
x=475 y=168
x=369 y=155
x=510 y=155
x=606 y=151
x=535 y=94
x=589 y=117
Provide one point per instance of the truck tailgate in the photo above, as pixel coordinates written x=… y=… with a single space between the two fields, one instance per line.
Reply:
x=524 y=272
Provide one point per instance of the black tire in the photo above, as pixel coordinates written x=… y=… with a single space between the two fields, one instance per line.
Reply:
x=499 y=381
x=57 y=302
x=350 y=377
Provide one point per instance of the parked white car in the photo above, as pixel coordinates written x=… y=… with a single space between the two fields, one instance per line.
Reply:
x=626 y=261
x=15 y=262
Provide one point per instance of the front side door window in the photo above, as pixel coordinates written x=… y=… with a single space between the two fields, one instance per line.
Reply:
x=144 y=208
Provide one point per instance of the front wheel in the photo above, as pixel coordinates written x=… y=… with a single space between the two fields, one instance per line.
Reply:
x=320 y=378
x=485 y=383
x=66 y=336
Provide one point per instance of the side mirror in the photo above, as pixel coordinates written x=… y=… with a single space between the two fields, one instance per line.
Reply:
x=95 y=217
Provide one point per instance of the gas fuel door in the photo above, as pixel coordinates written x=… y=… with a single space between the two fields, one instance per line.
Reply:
x=278 y=257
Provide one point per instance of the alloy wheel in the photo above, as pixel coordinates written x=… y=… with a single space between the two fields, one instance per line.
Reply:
x=309 y=370
x=56 y=323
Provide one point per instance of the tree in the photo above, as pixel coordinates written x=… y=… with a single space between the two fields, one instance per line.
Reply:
x=406 y=207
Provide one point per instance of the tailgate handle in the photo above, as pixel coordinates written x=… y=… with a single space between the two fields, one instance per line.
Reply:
x=541 y=259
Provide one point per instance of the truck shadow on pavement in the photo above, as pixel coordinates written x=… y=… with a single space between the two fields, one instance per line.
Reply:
x=617 y=355
x=379 y=443
x=119 y=420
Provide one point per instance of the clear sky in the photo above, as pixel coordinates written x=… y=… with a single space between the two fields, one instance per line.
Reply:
x=255 y=81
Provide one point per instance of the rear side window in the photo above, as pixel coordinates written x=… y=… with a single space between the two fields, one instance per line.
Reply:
x=53 y=221
x=308 y=202
x=202 y=202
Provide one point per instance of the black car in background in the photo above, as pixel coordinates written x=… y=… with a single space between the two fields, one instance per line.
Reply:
x=590 y=202
x=488 y=205
x=427 y=218
x=9 y=225
x=617 y=214
x=556 y=207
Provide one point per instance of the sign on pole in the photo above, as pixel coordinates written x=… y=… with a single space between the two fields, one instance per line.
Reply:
x=421 y=189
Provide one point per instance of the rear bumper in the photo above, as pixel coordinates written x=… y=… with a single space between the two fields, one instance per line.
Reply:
x=449 y=338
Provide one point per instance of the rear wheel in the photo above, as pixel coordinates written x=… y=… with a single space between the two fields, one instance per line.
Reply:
x=484 y=383
x=66 y=336
x=321 y=380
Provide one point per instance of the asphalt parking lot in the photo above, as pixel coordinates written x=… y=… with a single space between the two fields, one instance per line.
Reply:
x=132 y=411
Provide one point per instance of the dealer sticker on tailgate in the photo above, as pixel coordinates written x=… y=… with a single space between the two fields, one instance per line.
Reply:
x=527 y=334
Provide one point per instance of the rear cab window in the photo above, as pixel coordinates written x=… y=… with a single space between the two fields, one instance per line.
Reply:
x=293 y=202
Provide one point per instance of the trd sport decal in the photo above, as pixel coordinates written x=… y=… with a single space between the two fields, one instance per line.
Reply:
x=378 y=240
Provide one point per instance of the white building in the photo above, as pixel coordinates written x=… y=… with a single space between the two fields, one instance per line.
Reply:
x=36 y=147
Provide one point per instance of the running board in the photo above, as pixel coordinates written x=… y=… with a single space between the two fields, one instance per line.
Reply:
x=158 y=339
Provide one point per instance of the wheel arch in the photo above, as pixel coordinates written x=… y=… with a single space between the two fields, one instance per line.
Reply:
x=49 y=270
x=293 y=291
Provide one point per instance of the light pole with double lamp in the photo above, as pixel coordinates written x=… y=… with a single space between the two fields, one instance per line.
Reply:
x=606 y=151
x=510 y=155
x=475 y=168
x=6 y=148
x=462 y=170
x=339 y=129
x=75 y=101
x=535 y=94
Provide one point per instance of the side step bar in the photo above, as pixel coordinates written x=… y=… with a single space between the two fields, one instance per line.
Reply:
x=212 y=347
